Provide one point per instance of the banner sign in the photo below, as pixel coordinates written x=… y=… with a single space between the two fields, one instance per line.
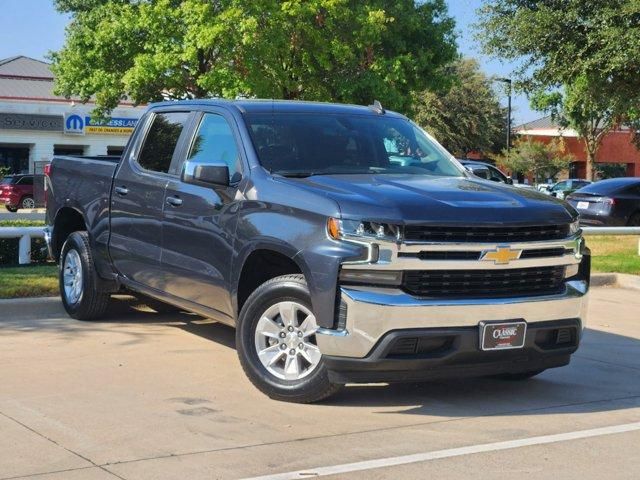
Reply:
x=76 y=124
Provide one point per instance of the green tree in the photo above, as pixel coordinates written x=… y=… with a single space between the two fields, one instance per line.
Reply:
x=467 y=117
x=577 y=58
x=531 y=157
x=340 y=50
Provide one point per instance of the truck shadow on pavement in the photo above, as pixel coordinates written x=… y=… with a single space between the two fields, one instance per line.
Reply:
x=604 y=375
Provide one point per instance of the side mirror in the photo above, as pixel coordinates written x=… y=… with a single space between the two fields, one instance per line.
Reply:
x=205 y=174
x=509 y=181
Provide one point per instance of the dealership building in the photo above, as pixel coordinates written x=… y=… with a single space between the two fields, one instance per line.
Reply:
x=35 y=124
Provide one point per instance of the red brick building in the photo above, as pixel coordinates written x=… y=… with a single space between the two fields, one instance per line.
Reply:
x=616 y=147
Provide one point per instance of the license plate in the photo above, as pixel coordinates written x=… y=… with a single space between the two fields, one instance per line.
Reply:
x=502 y=336
x=583 y=205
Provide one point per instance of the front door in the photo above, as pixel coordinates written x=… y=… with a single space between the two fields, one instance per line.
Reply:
x=199 y=221
x=138 y=199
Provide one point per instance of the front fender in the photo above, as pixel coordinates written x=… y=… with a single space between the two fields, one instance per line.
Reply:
x=301 y=236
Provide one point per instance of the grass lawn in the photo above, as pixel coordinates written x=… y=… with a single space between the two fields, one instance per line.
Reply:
x=618 y=253
x=29 y=281
x=21 y=223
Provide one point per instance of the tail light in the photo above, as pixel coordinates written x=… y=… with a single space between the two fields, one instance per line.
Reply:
x=47 y=170
x=609 y=201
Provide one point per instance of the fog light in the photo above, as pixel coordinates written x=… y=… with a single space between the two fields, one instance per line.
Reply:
x=571 y=271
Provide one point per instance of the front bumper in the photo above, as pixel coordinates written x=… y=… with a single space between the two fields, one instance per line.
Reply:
x=371 y=318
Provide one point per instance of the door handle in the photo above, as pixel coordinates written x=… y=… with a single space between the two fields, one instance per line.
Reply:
x=174 y=201
x=122 y=191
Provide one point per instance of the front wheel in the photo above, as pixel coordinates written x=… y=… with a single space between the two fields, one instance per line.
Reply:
x=11 y=209
x=276 y=342
x=28 y=203
x=79 y=282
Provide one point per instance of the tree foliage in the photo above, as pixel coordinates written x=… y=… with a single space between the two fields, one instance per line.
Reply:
x=580 y=59
x=469 y=116
x=531 y=157
x=340 y=50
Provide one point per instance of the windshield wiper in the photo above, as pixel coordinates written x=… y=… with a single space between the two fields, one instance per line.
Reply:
x=295 y=174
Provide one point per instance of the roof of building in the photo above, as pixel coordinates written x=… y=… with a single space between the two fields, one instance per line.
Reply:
x=25 y=67
x=544 y=123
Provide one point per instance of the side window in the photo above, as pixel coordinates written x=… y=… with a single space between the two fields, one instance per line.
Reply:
x=496 y=175
x=161 y=141
x=214 y=142
x=560 y=186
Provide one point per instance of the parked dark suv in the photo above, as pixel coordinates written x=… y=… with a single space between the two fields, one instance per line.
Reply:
x=612 y=202
x=16 y=191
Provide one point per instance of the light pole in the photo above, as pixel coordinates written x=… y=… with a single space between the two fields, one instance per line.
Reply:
x=508 y=82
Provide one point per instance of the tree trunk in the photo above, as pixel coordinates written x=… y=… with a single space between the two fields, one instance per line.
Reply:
x=590 y=162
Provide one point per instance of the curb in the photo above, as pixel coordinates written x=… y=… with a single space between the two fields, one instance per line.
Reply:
x=31 y=307
x=620 y=280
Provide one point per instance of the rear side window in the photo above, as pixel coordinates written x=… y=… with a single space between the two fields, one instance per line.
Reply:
x=26 y=181
x=214 y=142
x=160 y=143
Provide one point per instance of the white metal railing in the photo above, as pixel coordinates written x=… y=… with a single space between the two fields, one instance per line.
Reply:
x=612 y=231
x=25 y=234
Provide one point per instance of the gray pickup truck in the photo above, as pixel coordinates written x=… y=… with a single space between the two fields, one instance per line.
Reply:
x=343 y=243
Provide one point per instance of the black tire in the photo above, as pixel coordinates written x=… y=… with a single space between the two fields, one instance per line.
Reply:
x=27 y=202
x=11 y=209
x=92 y=302
x=517 y=377
x=312 y=388
x=634 y=220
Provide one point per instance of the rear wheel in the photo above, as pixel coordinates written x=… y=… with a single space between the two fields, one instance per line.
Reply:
x=27 y=202
x=79 y=282
x=276 y=342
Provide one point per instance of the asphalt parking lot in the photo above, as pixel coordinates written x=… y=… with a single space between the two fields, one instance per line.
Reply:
x=148 y=396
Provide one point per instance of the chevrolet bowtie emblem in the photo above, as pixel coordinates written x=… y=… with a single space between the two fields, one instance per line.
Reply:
x=501 y=255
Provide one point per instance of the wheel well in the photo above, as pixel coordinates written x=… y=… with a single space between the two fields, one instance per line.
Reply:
x=67 y=221
x=260 y=266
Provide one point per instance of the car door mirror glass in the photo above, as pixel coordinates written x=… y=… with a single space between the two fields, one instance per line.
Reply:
x=215 y=173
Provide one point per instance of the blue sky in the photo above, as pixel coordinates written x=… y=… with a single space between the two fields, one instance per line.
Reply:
x=33 y=27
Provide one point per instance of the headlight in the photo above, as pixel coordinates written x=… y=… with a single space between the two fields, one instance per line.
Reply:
x=574 y=227
x=339 y=229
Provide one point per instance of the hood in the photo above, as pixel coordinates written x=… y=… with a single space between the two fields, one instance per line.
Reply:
x=406 y=199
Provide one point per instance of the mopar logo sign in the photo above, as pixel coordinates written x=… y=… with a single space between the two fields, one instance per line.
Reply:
x=73 y=124
x=81 y=124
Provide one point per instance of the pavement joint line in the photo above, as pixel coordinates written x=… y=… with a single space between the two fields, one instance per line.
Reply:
x=242 y=447
x=93 y=464
x=360 y=432
x=449 y=453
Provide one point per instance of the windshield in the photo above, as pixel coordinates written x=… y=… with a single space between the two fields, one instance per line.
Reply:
x=299 y=145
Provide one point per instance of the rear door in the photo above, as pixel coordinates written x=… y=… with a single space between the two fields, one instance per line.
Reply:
x=138 y=197
x=199 y=221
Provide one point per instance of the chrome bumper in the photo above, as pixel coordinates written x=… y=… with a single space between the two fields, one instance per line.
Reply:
x=371 y=313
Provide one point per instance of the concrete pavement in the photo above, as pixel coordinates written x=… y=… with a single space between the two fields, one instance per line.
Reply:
x=142 y=395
